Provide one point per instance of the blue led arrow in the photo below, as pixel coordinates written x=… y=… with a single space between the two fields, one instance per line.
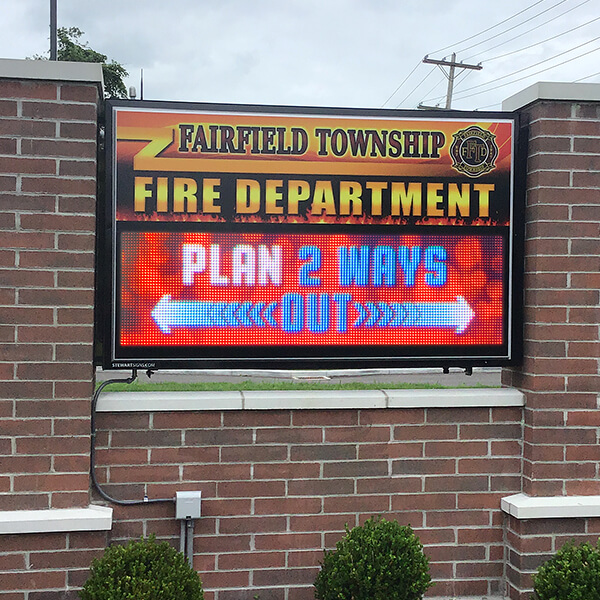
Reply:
x=169 y=313
x=454 y=315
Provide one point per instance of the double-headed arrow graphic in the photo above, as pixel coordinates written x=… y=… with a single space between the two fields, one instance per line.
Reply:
x=170 y=314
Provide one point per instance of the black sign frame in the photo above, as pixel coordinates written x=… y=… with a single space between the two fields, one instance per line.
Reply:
x=111 y=355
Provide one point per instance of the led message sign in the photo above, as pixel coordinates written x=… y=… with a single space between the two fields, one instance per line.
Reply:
x=288 y=237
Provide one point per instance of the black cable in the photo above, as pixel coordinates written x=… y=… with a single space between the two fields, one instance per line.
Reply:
x=487 y=60
x=102 y=493
x=513 y=27
x=462 y=76
x=528 y=76
x=431 y=90
x=405 y=80
x=498 y=104
x=415 y=88
x=497 y=25
x=498 y=45
x=459 y=97
x=588 y=77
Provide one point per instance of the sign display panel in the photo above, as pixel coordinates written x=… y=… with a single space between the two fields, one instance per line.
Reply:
x=289 y=237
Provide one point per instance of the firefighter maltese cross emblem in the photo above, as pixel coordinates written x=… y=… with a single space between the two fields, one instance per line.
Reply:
x=474 y=151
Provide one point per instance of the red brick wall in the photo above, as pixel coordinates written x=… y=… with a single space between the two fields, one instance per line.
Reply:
x=47 y=223
x=531 y=542
x=49 y=566
x=561 y=371
x=279 y=486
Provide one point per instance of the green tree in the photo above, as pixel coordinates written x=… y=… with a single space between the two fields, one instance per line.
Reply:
x=70 y=48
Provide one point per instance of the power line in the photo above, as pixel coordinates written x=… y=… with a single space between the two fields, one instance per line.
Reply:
x=489 y=106
x=588 y=77
x=460 y=78
x=532 y=66
x=433 y=88
x=516 y=26
x=405 y=80
x=475 y=87
x=504 y=43
x=416 y=88
x=554 y=37
x=489 y=28
x=530 y=75
x=529 y=31
x=469 y=38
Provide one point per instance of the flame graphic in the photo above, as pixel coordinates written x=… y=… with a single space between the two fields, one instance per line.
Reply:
x=308 y=219
x=367 y=220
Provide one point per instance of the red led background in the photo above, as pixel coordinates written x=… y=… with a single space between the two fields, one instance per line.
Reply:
x=152 y=268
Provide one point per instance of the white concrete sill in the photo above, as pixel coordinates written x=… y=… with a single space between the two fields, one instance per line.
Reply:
x=299 y=400
x=92 y=518
x=522 y=507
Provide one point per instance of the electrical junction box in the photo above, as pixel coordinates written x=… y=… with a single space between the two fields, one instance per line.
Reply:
x=187 y=505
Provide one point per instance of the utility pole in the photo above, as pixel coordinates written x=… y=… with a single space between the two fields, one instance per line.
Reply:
x=451 y=75
x=53 y=30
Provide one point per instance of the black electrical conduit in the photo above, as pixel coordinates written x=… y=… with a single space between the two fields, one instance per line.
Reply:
x=104 y=495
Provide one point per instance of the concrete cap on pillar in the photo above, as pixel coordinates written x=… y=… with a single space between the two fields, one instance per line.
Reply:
x=546 y=90
x=50 y=70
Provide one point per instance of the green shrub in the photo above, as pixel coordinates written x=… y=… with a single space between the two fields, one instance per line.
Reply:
x=573 y=573
x=142 y=569
x=381 y=560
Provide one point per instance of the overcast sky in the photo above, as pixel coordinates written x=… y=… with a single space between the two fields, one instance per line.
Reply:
x=324 y=52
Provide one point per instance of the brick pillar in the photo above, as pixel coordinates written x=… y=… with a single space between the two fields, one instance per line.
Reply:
x=560 y=374
x=48 y=130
